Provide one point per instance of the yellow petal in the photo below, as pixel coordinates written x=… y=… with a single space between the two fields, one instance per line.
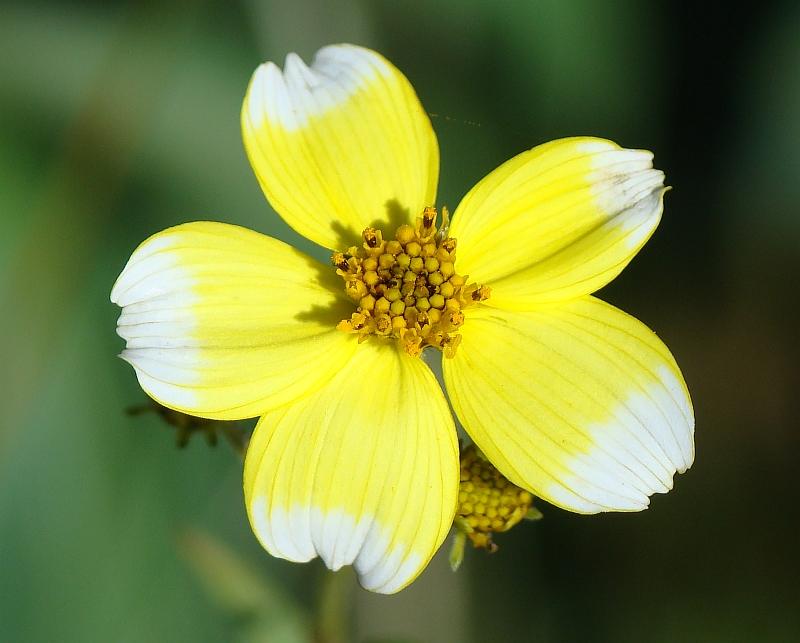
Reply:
x=579 y=403
x=340 y=145
x=225 y=323
x=558 y=221
x=364 y=472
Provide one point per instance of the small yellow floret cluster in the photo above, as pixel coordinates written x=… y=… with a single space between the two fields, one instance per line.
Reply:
x=487 y=501
x=407 y=288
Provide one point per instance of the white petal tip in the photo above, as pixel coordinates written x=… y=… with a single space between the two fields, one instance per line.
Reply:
x=301 y=535
x=300 y=92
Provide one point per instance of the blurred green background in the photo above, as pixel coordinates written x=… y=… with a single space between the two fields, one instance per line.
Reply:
x=120 y=119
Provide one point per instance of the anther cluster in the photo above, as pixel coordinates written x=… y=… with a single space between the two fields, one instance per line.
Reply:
x=407 y=288
x=487 y=501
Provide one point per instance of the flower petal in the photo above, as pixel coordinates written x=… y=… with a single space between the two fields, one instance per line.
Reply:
x=580 y=403
x=340 y=145
x=225 y=323
x=364 y=472
x=558 y=221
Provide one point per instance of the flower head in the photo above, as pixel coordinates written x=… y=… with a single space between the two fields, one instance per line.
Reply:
x=355 y=457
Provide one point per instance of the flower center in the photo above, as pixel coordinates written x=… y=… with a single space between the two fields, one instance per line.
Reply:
x=487 y=502
x=407 y=288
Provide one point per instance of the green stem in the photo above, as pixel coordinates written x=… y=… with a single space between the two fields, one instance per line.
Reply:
x=334 y=609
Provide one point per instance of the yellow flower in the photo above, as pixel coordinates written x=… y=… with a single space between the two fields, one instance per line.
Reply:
x=355 y=457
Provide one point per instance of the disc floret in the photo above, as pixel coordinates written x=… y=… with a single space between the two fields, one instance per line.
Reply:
x=407 y=288
x=487 y=502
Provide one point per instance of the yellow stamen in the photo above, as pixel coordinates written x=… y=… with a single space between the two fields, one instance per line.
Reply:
x=407 y=288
